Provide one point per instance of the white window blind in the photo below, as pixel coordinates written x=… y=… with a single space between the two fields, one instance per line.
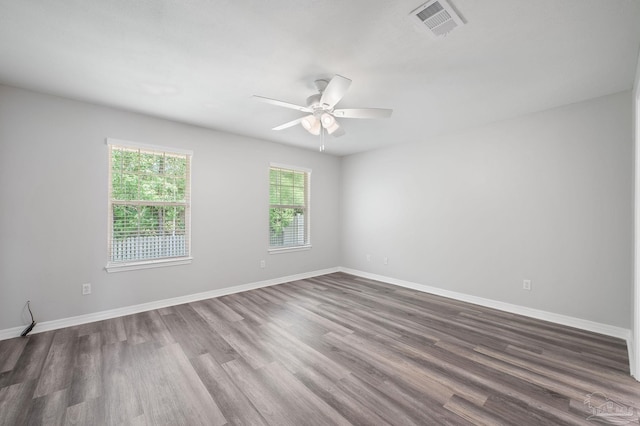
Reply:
x=149 y=204
x=288 y=207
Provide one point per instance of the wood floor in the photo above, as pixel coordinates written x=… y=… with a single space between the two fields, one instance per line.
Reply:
x=329 y=350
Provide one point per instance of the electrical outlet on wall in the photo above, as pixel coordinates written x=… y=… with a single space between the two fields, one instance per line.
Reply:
x=526 y=285
x=263 y=264
x=86 y=289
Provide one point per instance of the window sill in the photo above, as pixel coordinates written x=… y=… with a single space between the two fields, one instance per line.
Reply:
x=147 y=264
x=289 y=249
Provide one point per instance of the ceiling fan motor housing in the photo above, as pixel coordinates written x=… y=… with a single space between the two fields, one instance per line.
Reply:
x=321 y=85
x=313 y=102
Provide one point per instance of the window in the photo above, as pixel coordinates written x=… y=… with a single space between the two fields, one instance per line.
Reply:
x=149 y=206
x=288 y=207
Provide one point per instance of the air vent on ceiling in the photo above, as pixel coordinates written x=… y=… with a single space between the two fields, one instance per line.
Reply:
x=438 y=17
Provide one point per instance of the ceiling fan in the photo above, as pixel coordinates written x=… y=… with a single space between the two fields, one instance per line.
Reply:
x=321 y=108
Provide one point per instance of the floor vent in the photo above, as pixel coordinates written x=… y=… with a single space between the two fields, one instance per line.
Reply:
x=438 y=17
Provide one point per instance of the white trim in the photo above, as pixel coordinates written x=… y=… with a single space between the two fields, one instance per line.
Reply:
x=609 y=330
x=134 y=309
x=634 y=355
x=632 y=361
x=634 y=350
x=281 y=250
x=146 y=264
x=307 y=209
x=132 y=144
x=289 y=167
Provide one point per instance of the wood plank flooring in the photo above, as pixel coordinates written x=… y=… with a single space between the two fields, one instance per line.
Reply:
x=335 y=349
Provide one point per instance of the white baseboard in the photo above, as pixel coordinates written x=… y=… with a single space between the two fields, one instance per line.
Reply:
x=609 y=330
x=632 y=359
x=134 y=309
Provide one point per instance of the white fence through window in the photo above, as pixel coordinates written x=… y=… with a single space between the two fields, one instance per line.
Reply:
x=151 y=247
x=293 y=235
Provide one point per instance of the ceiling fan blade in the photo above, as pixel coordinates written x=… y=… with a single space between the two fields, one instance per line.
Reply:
x=334 y=91
x=281 y=103
x=289 y=124
x=363 y=113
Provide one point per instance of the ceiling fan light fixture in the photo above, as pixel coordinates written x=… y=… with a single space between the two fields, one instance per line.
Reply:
x=308 y=122
x=333 y=127
x=311 y=124
x=327 y=120
x=315 y=130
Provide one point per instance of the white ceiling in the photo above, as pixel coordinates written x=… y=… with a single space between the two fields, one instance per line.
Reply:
x=199 y=61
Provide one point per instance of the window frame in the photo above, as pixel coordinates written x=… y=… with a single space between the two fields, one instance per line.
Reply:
x=120 y=266
x=307 y=208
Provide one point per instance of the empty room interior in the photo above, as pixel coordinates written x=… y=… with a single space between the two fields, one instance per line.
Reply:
x=310 y=213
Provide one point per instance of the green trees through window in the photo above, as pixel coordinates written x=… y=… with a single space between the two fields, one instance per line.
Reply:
x=149 y=204
x=288 y=205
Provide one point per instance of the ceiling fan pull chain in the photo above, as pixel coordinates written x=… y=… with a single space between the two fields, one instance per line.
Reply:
x=322 y=138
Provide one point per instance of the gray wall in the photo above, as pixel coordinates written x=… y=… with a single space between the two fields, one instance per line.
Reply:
x=53 y=208
x=546 y=197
